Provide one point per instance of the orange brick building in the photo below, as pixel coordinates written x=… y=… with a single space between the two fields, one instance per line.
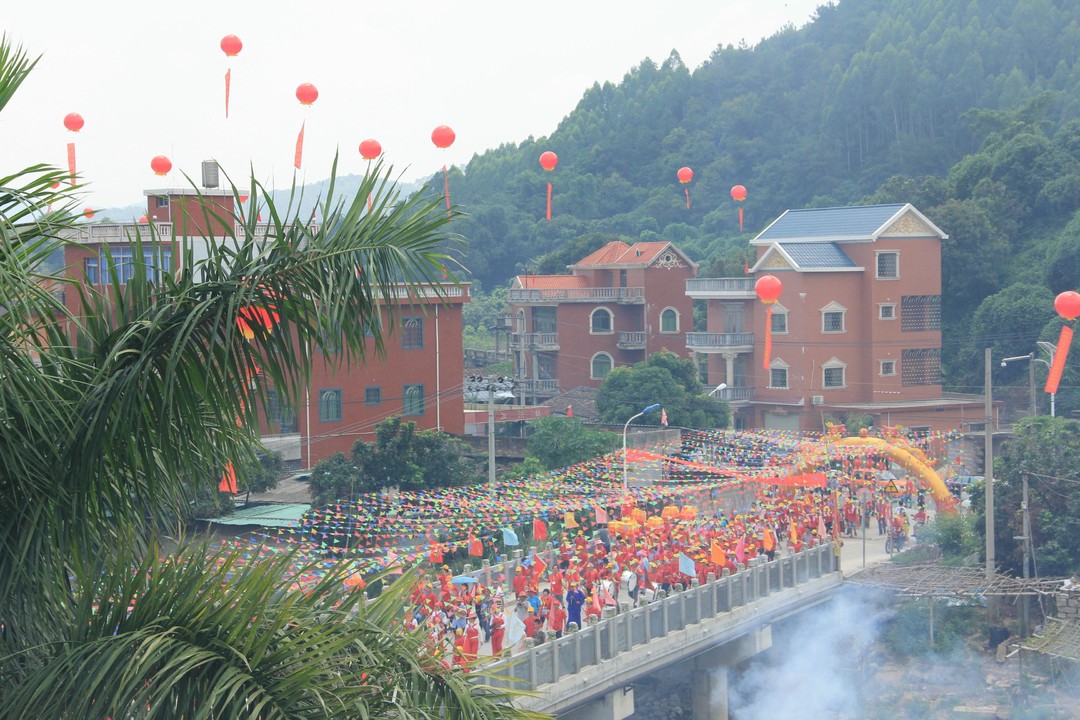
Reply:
x=857 y=328
x=419 y=376
x=618 y=305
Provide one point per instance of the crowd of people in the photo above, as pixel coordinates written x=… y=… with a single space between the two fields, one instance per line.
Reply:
x=636 y=555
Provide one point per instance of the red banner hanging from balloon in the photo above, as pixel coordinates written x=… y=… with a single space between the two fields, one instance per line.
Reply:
x=768 y=288
x=443 y=137
x=71 y=161
x=299 y=156
x=228 y=83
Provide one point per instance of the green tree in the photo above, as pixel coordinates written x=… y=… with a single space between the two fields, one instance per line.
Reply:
x=663 y=378
x=413 y=459
x=262 y=474
x=103 y=437
x=336 y=478
x=557 y=442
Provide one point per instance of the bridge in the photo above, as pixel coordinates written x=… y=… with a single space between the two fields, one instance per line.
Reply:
x=585 y=675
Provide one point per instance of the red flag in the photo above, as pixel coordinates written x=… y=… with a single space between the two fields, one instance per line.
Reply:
x=569 y=411
x=601 y=515
x=717 y=554
x=539 y=566
x=539 y=529
x=476 y=548
x=228 y=480
x=746 y=268
x=299 y=146
x=740 y=549
x=663 y=417
x=608 y=600
x=596 y=601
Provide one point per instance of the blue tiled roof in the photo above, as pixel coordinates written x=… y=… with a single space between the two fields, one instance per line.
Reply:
x=817 y=255
x=840 y=222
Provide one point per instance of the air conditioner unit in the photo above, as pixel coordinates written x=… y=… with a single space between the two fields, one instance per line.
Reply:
x=817 y=399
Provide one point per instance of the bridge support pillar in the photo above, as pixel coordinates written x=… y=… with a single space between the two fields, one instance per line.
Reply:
x=616 y=705
x=709 y=694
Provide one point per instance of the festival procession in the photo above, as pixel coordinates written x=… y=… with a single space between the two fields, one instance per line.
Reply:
x=493 y=573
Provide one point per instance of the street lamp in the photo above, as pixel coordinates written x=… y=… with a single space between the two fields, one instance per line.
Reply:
x=718 y=388
x=647 y=410
x=1050 y=349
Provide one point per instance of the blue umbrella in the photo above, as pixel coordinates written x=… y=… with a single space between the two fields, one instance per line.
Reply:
x=463 y=580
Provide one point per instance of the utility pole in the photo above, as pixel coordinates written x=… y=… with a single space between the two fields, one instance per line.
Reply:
x=1025 y=617
x=988 y=461
x=475 y=385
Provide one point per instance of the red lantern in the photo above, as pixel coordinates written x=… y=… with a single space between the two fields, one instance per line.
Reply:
x=370 y=149
x=685 y=175
x=768 y=289
x=738 y=194
x=54 y=184
x=143 y=220
x=74 y=122
x=88 y=213
x=307 y=93
x=1067 y=305
x=548 y=160
x=443 y=136
x=231 y=45
x=161 y=165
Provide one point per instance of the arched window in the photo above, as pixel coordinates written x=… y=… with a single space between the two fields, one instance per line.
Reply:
x=778 y=373
x=601 y=321
x=779 y=319
x=669 y=320
x=833 y=374
x=601 y=366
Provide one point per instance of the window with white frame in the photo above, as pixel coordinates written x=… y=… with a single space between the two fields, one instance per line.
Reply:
x=832 y=318
x=412 y=403
x=886 y=311
x=887 y=368
x=778 y=374
x=778 y=324
x=888 y=265
x=600 y=366
x=412 y=333
x=833 y=374
x=669 y=320
x=601 y=321
x=330 y=405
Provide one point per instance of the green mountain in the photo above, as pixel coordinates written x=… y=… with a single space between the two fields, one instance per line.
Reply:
x=963 y=107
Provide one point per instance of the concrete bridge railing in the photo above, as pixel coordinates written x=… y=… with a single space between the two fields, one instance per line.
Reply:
x=560 y=658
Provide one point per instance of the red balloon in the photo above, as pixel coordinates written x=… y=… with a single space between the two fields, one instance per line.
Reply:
x=370 y=149
x=768 y=288
x=143 y=219
x=231 y=45
x=88 y=212
x=55 y=184
x=161 y=165
x=548 y=160
x=738 y=193
x=685 y=175
x=1067 y=304
x=306 y=93
x=443 y=136
x=73 y=122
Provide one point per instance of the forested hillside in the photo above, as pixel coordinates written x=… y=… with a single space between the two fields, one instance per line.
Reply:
x=961 y=107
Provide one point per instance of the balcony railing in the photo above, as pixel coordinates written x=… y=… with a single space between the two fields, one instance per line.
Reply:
x=619 y=295
x=535 y=341
x=735 y=394
x=538 y=387
x=738 y=287
x=719 y=341
x=93 y=233
x=631 y=341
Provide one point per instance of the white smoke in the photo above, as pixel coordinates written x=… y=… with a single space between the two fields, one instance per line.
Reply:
x=811 y=674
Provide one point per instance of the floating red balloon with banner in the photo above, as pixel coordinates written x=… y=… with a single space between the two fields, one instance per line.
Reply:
x=685 y=175
x=1067 y=305
x=548 y=161
x=231 y=46
x=73 y=122
x=161 y=165
x=443 y=137
x=307 y=94
x=768 y=289
x=738 y=194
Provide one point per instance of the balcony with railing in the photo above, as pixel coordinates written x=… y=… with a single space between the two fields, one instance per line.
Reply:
x=717 y=342
x=735 y=394
x=631 y=341
x=529 y=386
x=737 y=288
x=539 y=342
x=617 y=295
x=105 y=233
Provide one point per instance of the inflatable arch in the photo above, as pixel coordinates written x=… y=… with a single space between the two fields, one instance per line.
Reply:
x=926 y=476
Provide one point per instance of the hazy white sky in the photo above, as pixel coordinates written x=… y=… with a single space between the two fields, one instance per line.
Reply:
x=148 y=78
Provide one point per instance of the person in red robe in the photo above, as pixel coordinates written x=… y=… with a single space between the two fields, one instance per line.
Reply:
x=498 y=632
x=459 y=648
x=472 y=640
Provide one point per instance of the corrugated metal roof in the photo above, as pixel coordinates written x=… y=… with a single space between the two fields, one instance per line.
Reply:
x=809 y=256
x=839 y=222
x=265 y=515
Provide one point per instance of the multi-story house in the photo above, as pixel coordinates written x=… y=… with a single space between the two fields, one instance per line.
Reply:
x=419 y=376
x=616 y=306
x=857 y=327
